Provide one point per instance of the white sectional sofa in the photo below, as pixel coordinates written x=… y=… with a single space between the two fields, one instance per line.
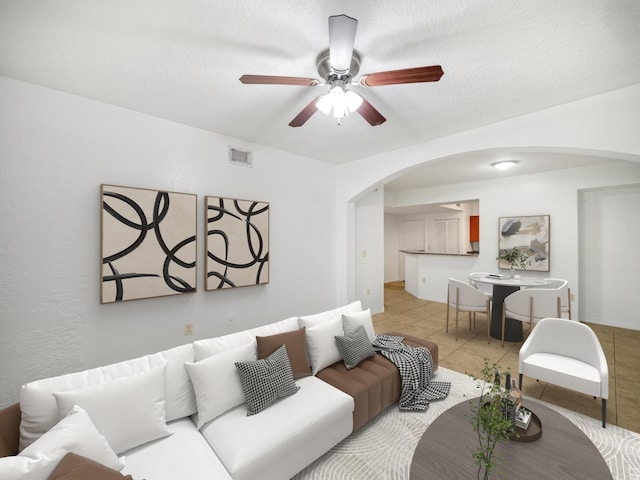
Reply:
x=181 y=413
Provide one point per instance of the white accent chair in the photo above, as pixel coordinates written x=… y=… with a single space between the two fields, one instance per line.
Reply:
x=567 y=354
x=530 y=305
x=464 y=298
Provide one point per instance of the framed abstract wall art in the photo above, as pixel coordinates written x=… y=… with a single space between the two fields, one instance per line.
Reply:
x=237 y=243
x=148 y=243
x=531 y=235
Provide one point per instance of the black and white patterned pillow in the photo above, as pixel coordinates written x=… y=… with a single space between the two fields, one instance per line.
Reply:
x=355 y=347
x=265 y=381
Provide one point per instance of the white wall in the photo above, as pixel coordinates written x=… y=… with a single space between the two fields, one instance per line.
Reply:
x=609 y=237
x=55 y=151
x=392 y=255
x=369 y=225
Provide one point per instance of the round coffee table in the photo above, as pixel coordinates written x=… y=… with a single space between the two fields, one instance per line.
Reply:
x=562 y=452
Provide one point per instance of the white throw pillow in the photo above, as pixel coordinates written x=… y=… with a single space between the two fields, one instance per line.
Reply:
x=128 y=411
x=180 y=401
x=318 y=318
x=351 y=322
x=38 y=405
x=321 y=344
x=216 y=381
x=74 y=433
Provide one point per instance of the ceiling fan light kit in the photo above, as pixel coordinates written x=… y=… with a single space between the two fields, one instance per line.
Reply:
x=338 y=65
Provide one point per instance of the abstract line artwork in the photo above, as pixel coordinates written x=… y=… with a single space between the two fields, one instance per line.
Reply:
x=531 y=235
x=237 y=243
x=148 y=243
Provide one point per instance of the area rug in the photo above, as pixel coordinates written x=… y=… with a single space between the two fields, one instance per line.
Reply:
x=383 y=449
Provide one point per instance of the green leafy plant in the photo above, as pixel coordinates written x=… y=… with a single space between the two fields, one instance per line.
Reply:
x=515 y=257
x=490 y=419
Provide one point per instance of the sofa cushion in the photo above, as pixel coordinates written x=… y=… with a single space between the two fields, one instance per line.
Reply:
x=375 y=383
x=351 y=321
x=267 y=380
x=321 y=344
x=180 y=400
x=216 y=381
x=286 y=437
x=75 y=432
x=9 y=430
x=211 y=346
x=184 y=455
x=128 y=411
x=40 y=411
x=77 y=467
x=355 y=347
x=295 y=342
x=336 y=313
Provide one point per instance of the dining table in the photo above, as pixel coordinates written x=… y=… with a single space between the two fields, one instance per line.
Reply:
x=503 y=286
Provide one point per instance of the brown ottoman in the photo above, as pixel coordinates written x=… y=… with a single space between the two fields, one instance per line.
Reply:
x=375 y=383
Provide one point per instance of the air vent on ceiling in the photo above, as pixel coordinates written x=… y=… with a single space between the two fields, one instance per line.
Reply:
x=240 y=157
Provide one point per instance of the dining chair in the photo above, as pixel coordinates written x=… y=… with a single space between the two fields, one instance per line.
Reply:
x=464 y=298
x=563 y=291
x=530 y=305
x=485 y=288
x=567 y=354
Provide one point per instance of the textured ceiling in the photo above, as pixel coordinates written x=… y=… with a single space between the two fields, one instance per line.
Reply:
x=181 y=60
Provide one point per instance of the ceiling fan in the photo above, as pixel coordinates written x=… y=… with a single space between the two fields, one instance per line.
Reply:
x=338 y=66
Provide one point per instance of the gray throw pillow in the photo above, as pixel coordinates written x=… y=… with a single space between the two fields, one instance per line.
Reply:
x=355 y=347
x=265 y=381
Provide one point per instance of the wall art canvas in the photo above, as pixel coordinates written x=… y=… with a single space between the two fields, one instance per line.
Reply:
x=531 y=235
x=148 y=243
x=237 y=243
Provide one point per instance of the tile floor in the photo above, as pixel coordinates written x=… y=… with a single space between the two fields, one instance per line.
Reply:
x=423 y=318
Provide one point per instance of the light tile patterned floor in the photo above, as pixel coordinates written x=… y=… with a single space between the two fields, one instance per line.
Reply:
x=422 y=318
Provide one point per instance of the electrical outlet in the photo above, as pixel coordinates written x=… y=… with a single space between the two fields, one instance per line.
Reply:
x=364 y=254
x=368 y=291
x=188 y=329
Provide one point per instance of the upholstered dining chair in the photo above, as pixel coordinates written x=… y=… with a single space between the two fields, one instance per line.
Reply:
x=564 y=292
x=567 y=354
x=464 y=298
x=485 y=288
x=530 y=305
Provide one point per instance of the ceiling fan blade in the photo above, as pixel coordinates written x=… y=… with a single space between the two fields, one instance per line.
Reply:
x=276 y=80
x=305 y=114
x=370 y=114
x=407 y=75
x=342 y=36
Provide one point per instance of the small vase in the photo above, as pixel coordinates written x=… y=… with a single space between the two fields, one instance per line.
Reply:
x=512 y=272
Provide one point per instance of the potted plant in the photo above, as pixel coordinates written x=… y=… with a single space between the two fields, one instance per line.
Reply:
x=515 y=257
x=492 y=419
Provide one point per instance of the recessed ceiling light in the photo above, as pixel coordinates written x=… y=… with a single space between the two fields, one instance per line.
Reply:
x=504 y=165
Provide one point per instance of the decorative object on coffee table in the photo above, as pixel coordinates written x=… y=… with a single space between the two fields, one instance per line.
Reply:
x=492 y=418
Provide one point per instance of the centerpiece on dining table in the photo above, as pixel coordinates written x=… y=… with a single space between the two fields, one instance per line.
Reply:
x=515 y=257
